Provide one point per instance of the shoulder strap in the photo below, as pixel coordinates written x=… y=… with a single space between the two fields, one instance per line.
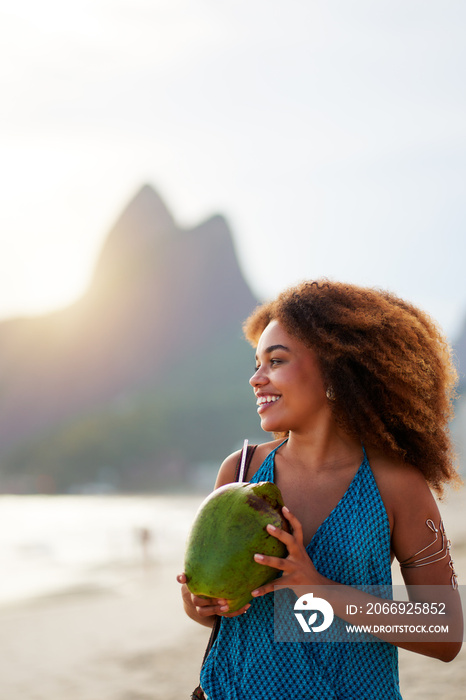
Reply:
x=249 y=455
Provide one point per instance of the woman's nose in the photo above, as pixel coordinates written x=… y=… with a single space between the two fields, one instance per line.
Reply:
x=257 y=378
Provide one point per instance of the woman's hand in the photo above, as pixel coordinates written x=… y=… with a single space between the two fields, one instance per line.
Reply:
x=202 y=609
x=298 y=569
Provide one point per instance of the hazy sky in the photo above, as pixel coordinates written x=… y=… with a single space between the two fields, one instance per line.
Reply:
x=332 y=134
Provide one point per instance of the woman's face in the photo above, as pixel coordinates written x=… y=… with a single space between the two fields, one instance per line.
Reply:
x=288 y=384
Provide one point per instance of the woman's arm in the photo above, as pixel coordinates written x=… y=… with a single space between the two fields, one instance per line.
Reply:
x=421 y=546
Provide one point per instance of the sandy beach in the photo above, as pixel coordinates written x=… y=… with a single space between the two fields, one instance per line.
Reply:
x=133 y=641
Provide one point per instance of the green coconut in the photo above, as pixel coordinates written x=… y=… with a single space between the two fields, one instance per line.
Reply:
x=229 y=528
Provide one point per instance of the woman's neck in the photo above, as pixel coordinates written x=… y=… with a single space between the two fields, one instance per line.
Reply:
x=322 y=449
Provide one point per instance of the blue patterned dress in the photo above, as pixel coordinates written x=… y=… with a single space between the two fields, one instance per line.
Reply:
x=351 y=547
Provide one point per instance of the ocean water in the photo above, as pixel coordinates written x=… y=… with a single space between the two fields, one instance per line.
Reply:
x=51 y=544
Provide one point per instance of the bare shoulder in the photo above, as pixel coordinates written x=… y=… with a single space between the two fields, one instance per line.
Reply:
x=226 y=474
x=397 y=480
x=401 y=485
x=408 y=500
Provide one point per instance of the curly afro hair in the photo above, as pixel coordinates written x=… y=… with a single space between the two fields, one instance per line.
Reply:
x=387 y=362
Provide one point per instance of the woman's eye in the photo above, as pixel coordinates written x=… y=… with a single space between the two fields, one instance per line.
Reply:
x=273 y=361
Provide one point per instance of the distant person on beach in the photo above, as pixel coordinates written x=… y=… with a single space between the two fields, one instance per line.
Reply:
x=357 y=387
x=144 y=539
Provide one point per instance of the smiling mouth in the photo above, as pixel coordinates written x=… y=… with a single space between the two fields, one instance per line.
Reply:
x=266 y=401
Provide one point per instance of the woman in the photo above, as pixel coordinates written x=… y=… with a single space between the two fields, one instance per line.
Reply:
x=357 y=386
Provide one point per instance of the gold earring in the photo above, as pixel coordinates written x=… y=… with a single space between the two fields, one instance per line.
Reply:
x=330 y=394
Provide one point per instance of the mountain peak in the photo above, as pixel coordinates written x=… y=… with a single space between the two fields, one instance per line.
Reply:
x=145 y=215
x=143 y=226
x=147 y=204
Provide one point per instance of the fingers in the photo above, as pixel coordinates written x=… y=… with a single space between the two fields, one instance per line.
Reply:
x=205 y=607
x=288 y=539
x=281 y=535
x=268 y=588
x=274 y=562
x=241 y=611
x=295 y=524
x=293 y=542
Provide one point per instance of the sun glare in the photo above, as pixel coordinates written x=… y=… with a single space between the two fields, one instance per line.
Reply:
x=44 y=285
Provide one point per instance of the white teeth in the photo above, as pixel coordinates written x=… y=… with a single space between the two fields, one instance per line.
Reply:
x=266 y=399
